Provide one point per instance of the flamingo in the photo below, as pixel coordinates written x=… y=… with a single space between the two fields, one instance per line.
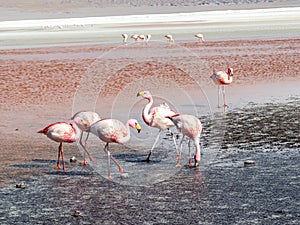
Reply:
x=61 y=132
x=156 y=117
x=148 y=37
x=169 y=37
x=125 y=36
x=83 y=120
x=142 y=37
x=113 y=131
x=135 y=37
x=200 y=37
x=222 y=78
x=191 y=127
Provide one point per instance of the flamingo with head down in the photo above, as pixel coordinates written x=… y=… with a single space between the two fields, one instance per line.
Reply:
x=222 y=78
x=61 y=132
x=200 y=37
x=156 y=117
x=191 y=127
x=113 y=131
x=84 y=119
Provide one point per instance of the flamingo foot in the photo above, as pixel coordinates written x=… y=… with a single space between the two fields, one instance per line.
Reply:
x=196 y=164
x=57 y=166
x=178 y=165
x=225 y=105
x=84 y=163
x=91 y=159
x=109 y=178
x=121 y=171
x=191 y=164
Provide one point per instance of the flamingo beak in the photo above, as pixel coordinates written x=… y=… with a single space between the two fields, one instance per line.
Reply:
x=138 y=128
x=141 y=93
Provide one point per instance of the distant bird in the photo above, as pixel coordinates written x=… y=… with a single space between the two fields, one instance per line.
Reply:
x=148 y=37
x=191 y=127
x=135 y=37
x=84 y=119
x=125 y=37
x=61 y=132
x=113 y=131
x=156 y=117
x=169 y=37
x=200 y=37
x=222 y=78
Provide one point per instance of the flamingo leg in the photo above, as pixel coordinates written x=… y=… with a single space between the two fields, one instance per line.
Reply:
x=113 y=159
x=223 y=90
x=62 y=157
x=179 y=154
x=59 y=150
x=219 y=92
x=84 y=148
x=173 y=137
x=190 y=154
x=156 y=140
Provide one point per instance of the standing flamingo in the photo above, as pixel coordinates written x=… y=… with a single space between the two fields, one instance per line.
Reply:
x=222 y=78
x=113 y=131
x=170 y=38
x=200 y=37
x=148 y=37
x=83 y=120
x=61 y=132
x=125 y=36
x=190 y=126
x=156 y=117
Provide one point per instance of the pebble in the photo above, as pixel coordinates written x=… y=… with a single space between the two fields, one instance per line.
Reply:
x=20 y=185
x=124 y=175
x=77 y=213
x=249 y=162
x=73 y=159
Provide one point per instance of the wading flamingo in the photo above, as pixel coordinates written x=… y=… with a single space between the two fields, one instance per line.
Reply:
x=200 y=37
x=141 y=37
x=125 y=36
x=222 y=78
x=191 y=127
x=61 y=132
x=170 y=38
x=113 y=131
x=135 y=37
x=156 y=117
x=84 y=119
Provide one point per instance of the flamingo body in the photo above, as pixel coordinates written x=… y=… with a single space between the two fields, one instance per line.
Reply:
x=61 y=132
x=113 y=131
x=222 y=78
x=200 y=37
x=191 y=127
x=169 y=37
x=135 y=37
x=157 y=117
x=84 y=119
x=125 y=37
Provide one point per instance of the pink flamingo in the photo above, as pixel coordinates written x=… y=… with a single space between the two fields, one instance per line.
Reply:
x=190 y=126
x=113 y=131
x=170 y=38
x=200 y=37
x=222 y=78
x=84 y=119
x=61 y=132
x=125 y=36
x=156 y=117
x=148 y=37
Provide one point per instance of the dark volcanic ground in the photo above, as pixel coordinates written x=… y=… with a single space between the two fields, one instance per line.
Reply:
x=221 y=191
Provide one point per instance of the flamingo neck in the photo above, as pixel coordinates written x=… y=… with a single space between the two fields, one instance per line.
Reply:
x=146 y=116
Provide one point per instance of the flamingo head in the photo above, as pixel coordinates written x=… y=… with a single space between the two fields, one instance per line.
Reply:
x=144 y=94
x=82 y=124
x=230 y=71
x=134 y=124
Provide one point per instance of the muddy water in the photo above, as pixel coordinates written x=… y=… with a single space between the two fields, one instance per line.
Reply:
x=221 y=191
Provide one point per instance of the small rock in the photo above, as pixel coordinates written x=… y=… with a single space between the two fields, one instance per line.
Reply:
x=249 y=162
x=73 y=159
x=20 y=185
x=77 y=213
x=124 y=175
x=16 y=129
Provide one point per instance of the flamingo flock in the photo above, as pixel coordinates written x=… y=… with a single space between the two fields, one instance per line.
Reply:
x=146 y=38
